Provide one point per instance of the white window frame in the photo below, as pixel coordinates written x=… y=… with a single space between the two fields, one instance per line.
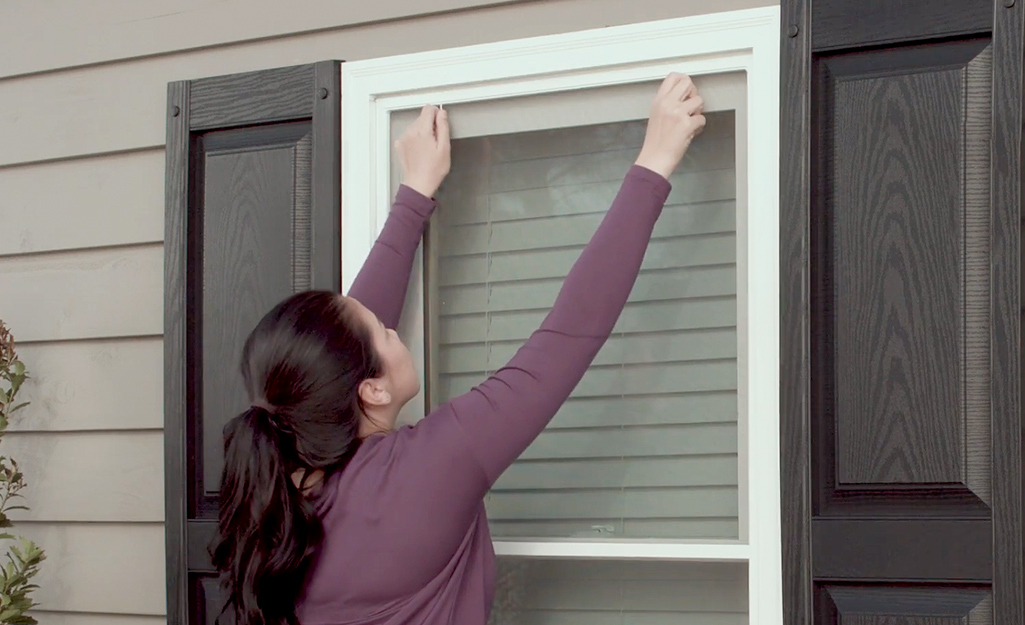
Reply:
x=745 y=41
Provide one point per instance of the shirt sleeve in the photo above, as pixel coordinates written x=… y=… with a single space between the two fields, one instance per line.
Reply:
x=382 y=281
x=496 y=421
x=426 y=491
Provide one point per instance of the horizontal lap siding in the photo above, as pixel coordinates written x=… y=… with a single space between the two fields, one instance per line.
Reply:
x=91 y=202
x=106 y=476
x=122 y=29
x=81 y=259
x=105 y=384
x=87 y=294
x=88 y=322
x=116 y=107
x=114 y=568
x=73 y=618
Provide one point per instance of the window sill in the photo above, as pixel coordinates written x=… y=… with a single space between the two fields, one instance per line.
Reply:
x=723 y=551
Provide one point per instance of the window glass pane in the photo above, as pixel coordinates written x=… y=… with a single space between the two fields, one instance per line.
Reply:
x=574 y=592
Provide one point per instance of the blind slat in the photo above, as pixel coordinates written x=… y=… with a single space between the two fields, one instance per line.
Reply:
x=717 y=344
x=711 y=528
x=601 y=166
x=623 y=473
x=636 y=317
x=571 y=141
x=562 y=142
x=688 y=188
x=651 y=285
x=676 y=253
x=568 y=230
x=676 y=440
x=637 y=595
x=595 y=569
x=683 y=408
x=619 y=618
x=631 y=380
x=703 y=407
x=624 y=504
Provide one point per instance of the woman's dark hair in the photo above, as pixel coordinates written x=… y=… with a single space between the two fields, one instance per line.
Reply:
x=302 y=366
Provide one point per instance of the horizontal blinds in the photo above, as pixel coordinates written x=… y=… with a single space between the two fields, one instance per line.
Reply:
x=568 y=592
x=647 y=444
x=569 y=109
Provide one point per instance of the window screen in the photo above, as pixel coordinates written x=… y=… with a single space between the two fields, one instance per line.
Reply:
x=647 y=445
x=576 y=592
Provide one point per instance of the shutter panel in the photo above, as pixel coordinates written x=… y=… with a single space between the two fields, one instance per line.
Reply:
x=901 y=391
x=252 y=215
x=647 y=445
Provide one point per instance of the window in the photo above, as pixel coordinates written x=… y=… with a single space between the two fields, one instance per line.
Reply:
x=656 y=487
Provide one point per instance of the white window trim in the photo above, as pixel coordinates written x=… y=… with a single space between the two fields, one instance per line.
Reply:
x=718 y=551
x=722 y=42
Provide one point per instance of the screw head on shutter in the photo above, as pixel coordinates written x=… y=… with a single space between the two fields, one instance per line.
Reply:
x=175 y=111
x=793 y=30
x=323 y=93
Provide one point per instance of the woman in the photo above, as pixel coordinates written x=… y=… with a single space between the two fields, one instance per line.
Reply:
x=329 y=515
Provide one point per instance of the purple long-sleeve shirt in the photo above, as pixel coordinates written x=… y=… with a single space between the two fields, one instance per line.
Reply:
x=406 y=539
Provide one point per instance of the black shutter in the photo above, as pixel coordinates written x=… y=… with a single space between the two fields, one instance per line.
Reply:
x=252 y=215
x=901 y=331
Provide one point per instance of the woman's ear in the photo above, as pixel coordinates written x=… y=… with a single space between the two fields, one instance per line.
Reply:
x=373 y=393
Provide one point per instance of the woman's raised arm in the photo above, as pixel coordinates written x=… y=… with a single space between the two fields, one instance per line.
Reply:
x=424 y=151
x=467 y=443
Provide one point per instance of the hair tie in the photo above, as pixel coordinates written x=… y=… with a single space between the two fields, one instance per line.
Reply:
x=263 y=405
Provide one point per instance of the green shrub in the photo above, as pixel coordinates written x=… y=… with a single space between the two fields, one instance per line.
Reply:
x=23 y=557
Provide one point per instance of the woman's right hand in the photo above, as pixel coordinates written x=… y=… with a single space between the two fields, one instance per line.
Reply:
x=424 y=150
x=676 y=118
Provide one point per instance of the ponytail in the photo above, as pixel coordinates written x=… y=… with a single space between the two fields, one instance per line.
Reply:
x=301 y=367
x=266 y=529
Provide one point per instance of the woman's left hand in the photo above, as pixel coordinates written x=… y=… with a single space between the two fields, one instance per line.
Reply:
x=425 y=151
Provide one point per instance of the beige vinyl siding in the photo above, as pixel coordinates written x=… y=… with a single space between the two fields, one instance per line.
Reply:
x=72 y=618
x=81 y=224
x=101 y=568
x=85 y=294
x=88 y=322
x=100 y=32
x=120 y=106
x=99 y=476
x=90 y=202
x=106 y=384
